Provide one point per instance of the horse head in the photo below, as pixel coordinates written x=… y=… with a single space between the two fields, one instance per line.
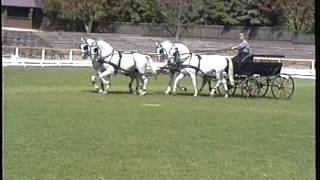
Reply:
x=95 y=51
x=85 y=47
x=163 y=49
x=101 y=50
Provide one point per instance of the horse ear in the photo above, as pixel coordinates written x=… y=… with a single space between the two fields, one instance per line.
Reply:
x=157 y=43
x=93 y=44
x=81 y=39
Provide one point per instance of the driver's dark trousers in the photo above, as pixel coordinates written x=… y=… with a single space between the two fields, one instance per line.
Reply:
x=237 y=60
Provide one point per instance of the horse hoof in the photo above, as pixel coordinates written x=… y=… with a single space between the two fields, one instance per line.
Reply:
x=104 y=92
x=142 y=93
x=100 y=91
x=195 y=95
x=226 y=96
x=96 y=87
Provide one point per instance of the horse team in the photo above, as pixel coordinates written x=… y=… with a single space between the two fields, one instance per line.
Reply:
x=180 y=61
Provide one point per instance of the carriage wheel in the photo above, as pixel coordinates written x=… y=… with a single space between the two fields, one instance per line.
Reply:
x=250 y=88
x=282 y=86
x=231 y=89
x=263 y=83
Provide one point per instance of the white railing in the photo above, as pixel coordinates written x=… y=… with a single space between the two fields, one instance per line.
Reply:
x=47 y=57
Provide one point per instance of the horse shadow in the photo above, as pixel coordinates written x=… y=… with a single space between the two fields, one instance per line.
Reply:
x=187 y=94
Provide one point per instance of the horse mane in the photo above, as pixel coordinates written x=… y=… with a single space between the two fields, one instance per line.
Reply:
x=104 y=46
x=90 y=41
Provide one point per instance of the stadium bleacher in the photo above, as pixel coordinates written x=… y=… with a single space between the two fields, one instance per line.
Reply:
x=131 y=42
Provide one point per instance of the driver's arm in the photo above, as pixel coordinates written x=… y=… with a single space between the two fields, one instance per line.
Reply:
x=240 y=46
x=235 y=47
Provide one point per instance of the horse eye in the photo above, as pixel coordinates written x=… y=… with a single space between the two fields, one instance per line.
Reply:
x=95 y=50
x=85 y=47
x=161 y=51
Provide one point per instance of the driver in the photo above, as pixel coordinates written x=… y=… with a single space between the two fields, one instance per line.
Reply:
x=244 y=49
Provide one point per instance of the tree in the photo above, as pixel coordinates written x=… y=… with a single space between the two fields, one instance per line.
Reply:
x=87 y=11
x=143 y=11
x=299 y=14
x=177 y=13
x=219 y=12
x=271 y=13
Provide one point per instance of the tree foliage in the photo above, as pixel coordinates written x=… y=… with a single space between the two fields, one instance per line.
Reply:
x=179 y=12
x=297 y=15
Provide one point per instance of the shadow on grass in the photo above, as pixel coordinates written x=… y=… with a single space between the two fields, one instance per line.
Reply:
x=110 y=92
x=187 y=94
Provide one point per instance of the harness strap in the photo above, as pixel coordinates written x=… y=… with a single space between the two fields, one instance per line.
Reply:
x=119 y=63
x=199 y=57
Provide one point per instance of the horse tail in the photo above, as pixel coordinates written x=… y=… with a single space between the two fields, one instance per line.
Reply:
x=151 y=64
x=230 y=70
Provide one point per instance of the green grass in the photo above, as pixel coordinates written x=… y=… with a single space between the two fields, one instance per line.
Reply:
x=57 y=128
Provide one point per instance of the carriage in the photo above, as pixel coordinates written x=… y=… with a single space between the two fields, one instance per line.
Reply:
x=256 y=78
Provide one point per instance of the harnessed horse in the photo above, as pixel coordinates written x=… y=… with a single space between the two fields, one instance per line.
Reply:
x=179 y=51
x=113 y=62
x=85 y=49
x=203 y=65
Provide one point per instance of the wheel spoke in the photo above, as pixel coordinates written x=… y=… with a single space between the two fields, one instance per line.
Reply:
x=286 y=92
x=278 y=93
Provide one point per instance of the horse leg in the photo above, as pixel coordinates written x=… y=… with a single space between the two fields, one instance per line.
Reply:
x=93 y=81
x=130 y=83
x=102 y=86
x=224 y=82
x=181 y=87
x=169 y=85
x=194 y=83
x=204 y=82
x=137 y=83
x=177 y=79
x=145 y=83
x=101 y=89
x=105 y=81
x=217 y=84
x=105 y=78
x=210 y=84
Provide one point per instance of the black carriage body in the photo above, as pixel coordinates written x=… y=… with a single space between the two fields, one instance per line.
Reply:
x=255 y=77
x=259 y=68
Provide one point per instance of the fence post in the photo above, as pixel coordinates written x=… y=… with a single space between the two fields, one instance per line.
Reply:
x=17 y=52
x=43 y=54
x=313 y=71
x=70 y=55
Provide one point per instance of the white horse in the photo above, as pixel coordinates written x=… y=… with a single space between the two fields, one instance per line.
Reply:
x=85 y=49
x=204 y=65
x=112 y=62
x=184 y=52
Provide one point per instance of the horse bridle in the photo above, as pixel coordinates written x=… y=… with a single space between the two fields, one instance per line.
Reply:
x=86 y=47
x=100 y=56
x=167 y=54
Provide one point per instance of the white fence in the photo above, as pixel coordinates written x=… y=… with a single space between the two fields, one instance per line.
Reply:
x=49 y=57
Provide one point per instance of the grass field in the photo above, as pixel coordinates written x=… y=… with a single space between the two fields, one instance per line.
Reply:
x=56 y=127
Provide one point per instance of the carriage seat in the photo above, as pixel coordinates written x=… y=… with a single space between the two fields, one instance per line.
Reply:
x=248 y=58
x=245 y=65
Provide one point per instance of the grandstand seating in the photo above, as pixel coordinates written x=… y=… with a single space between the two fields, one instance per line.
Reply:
x=130 y=42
